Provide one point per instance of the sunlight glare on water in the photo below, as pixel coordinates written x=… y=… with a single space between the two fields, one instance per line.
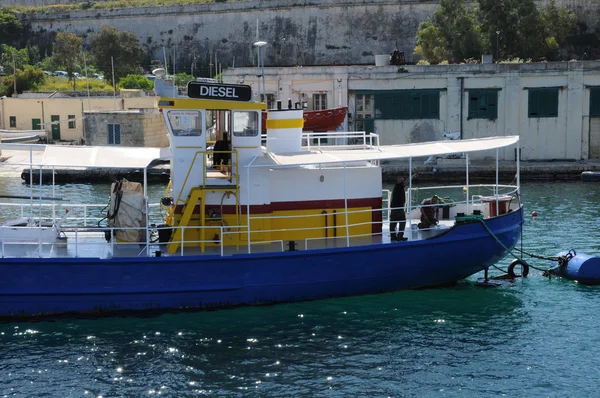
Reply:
x=536 y=338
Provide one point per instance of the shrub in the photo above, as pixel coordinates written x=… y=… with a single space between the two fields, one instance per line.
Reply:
x=135 y=82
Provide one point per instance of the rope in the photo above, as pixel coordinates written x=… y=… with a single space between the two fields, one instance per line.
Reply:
x=561 y=260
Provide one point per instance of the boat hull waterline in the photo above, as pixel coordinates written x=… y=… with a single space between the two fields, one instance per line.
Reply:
x=52 y=286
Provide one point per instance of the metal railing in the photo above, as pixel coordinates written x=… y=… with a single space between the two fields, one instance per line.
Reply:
x=79 y=226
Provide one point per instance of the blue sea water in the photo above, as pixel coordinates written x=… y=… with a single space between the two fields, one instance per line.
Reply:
x=536 y=338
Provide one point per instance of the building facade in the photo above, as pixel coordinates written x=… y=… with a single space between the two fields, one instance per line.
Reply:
x=61 y=118
x=138 y=128
x=553 y=107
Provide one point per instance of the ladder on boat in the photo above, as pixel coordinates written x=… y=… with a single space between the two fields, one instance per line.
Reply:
x=197 y=199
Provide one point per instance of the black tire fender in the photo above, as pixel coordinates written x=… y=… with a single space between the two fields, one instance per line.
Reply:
x=524 y=268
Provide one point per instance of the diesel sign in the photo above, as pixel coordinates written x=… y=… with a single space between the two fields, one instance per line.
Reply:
x=230 y=92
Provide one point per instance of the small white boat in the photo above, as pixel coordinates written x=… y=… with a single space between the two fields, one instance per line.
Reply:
x=21 y=136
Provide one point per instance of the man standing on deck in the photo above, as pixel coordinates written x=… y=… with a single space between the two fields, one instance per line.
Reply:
x=397 y=214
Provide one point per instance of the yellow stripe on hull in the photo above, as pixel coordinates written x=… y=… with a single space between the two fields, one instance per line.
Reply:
x=285 y=124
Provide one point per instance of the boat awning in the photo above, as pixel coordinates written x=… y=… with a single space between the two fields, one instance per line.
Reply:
x=387 y=152
x=101 y=156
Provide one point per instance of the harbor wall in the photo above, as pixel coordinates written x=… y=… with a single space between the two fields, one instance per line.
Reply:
x=305 y=32
x=573 y=133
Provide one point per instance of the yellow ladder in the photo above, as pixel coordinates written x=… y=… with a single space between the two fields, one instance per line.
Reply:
x=198 y=195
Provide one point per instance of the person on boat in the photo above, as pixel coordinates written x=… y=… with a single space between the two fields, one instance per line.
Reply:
x=429 y=212
x=397 y=214
x=222 y=160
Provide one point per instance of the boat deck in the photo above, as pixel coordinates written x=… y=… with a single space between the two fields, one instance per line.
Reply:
x=92 y=244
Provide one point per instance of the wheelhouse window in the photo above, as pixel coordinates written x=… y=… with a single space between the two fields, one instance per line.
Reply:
x=12 y=120
x=543 y=102
x=483 y=104
x=245 y=124
x=71 y=121
x=114 y=134
x=319 y=102
x=185 y=123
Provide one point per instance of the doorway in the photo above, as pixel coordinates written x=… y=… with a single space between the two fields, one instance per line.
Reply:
x=55 y=119
x=594 y=138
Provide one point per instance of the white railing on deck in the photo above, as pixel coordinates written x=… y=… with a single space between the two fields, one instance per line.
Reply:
x=351 y=140
x=78 y=221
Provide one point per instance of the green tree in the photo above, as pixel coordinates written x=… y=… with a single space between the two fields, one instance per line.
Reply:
x=558 y=23
x=33 y=52
x=182 y=79
x=49 y=64
x=28 y=78
x=10 y=27
x=456 y=20
x=513 y=28
x=11 y=56
x=124 y=49
x=430 y=43
x=66 y=51
x=136 y=82
x=452 y=34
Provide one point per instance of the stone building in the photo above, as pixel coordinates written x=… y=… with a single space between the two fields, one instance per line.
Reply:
x=61 y=117
x=553 y=107
x=139 y=128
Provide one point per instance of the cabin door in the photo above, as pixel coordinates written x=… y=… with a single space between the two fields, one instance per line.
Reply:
x=594 y=138
x=55 y=127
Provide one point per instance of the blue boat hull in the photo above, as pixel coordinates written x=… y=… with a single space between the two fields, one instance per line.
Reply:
x=89 y=285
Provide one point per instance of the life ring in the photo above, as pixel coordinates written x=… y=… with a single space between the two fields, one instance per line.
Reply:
x=524 y=268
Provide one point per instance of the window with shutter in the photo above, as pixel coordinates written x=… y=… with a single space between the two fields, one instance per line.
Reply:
x=483 y=104
x=543 y=102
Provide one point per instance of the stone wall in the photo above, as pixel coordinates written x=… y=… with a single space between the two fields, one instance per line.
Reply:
x=155 y=130
x=138 y=128
x=298 y=32
x=37 y=3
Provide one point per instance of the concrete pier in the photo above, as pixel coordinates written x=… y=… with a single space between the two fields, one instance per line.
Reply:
x=61 y=176
x=486 y=171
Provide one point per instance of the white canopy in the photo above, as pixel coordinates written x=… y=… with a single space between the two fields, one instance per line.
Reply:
x=388 y=152
x=117 y=157
x=101 y=156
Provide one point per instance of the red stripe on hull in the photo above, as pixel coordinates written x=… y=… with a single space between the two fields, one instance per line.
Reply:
x=373 y=203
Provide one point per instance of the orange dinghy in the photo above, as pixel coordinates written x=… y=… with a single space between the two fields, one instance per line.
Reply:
x=323 y=120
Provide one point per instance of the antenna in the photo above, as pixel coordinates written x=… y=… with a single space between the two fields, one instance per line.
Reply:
x=112 y=64
x=261 y=66
x=166 y=66
x=86 y=82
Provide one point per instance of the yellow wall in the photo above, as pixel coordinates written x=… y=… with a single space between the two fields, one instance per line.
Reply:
x=26 y=109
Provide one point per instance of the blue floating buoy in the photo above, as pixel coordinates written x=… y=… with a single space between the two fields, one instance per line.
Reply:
x=579 y=267
x=590 y=176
